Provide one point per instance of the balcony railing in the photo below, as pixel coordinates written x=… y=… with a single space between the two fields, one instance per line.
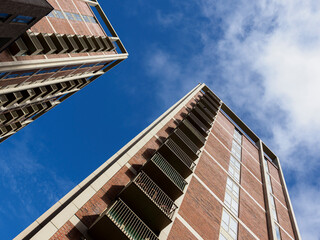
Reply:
x=199 y=123
x=155 y=194
x=208 y=104
x=194 y=131
x=180 y=154
x=213 y=103
x=129 y=223
x=202 y=115
x=186 y=140
x=169 y=171
x=205 y=109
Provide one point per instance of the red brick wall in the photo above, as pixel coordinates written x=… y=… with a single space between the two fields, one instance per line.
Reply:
x=253 y=216
x=224 y=136
x=201 y=210
x=283 y=218
x=212 y=175
x=179 y=231
x=218 y=151
x=251 y=164
x=67 y=232
x=243 y=234
x=104 y=197
x=253 y=187
x=225 y=123
x=253 y=150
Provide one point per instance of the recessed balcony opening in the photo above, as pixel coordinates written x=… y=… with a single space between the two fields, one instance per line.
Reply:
x=184 y=142
x=202 y=116
x=165 y=176
x=193 y=134
x=120 y=222
x=149 y=202
x=198 y=124
x=177 y=158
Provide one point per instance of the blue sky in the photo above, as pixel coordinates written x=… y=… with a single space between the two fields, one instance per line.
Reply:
x=260 y=57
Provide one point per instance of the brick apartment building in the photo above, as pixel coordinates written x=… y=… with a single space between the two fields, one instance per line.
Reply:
x=197 y=172
x=48 y=51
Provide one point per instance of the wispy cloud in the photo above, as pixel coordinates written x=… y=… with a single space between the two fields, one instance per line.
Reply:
x=262 y=58
x=27 y=188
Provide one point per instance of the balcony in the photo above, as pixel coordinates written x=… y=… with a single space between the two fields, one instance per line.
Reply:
x=177 y=158
x=202 y=116
x=165 y=176
x=193 y=134
x=204 y=100
x=198 y=124
x=206 y=110
x=185 y=144
x=149 y=202
x=120 y=222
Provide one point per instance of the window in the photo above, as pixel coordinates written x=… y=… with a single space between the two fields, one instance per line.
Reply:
x=234 y=168
x=273 y=208
x=69 y=16
x=14 y=75
x=277 y=232
x=2 y=74
x=266 y=165
x=58 y=14
x=22 y=19
x=48 y=71
x=50 y=14
x=101 y=64
x=88 y=65
x=4 y=16
x=237 y=135
x=269 y=183
x=69 y=68
x=77 y=17
x=236 y=149
x=233 y=188
x=231 y=202
x=26 y=74
x=86 y=18
x=92 y=19
x=229 y=226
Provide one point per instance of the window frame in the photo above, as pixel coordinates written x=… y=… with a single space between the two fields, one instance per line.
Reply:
x=21 y=19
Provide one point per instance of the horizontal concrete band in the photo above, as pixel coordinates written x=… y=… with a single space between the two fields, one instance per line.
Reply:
x=47 y=63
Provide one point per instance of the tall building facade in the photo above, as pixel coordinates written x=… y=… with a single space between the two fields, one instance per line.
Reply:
x=48 y=51
x=197 y=172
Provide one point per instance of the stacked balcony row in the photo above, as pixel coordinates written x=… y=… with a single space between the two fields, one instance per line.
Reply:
x=147 y=204
x=42 y=43
x=13 y=121
x=20 y=98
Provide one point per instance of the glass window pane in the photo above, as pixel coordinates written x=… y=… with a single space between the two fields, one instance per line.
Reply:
x=278 y=232
x=221 y=237
x=4 y=16
x=22 y=19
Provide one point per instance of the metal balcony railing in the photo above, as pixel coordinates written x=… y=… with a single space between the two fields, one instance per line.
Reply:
x=169 y=171
x=204 y=117
x=205 y=110
x=155 y=193
x=208 y=104
x=180 y=153
x=194 y=131
x=129 y=223
x=186 y=140
x=199 y=123
x=213 y=103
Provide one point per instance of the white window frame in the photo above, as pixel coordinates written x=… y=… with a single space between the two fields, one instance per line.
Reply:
x=236 y=149
x=229 y=226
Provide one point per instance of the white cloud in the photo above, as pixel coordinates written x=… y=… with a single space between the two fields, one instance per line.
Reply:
x=265 y=64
